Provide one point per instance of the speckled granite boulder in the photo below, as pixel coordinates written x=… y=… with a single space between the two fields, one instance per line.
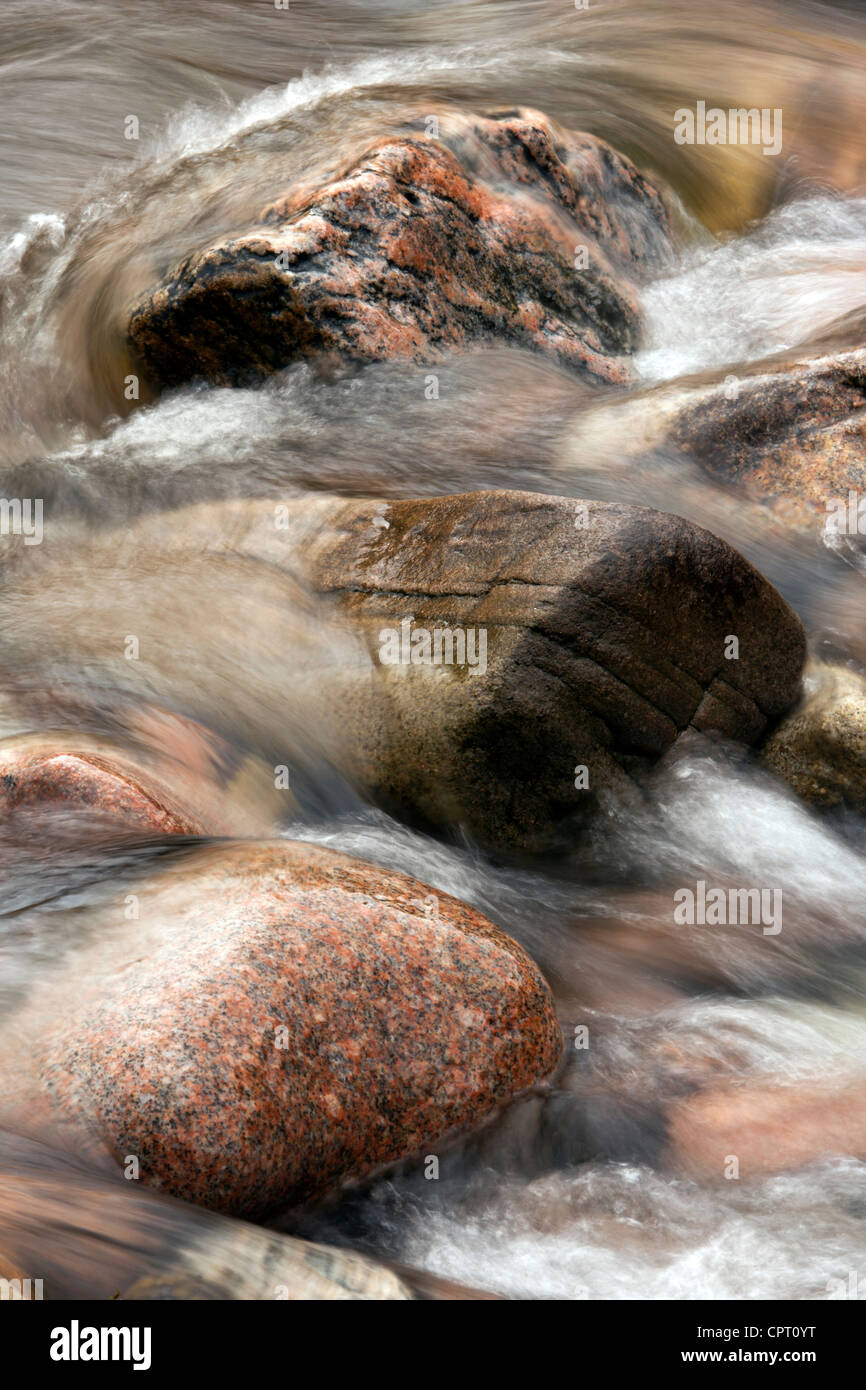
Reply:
x=510 y=229
x=791 y=436
x=284 y=1017
x=820 y=748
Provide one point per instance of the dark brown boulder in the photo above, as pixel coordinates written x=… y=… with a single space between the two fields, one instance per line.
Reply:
x=507 y=229
x=605 y=629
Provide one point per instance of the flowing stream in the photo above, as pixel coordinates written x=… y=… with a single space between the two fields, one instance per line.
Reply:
x=568 y=1194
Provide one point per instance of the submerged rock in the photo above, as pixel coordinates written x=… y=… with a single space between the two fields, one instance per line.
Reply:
x=768 y=1127
x=240 y=1261
x=97 y=1237
x=282 y=1018
x=509 y=229
x=820 y=748
x=170 y=777
x=795 y=435
x=38 y=780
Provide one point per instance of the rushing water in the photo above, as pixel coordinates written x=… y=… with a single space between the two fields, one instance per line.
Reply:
x=570 y=1193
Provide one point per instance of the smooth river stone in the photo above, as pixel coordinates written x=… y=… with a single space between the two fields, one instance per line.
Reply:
x=40 y=781
x=407 y=1015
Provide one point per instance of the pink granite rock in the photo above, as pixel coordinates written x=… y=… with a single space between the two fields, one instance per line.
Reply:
x=162 y=775
x=769 y=1126
x=509 y=229
x=42 y=779
x=283 y=1017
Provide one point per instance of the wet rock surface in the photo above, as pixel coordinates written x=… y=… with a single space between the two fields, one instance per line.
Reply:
x=242 y=1262
x=508 y=229
x=605 y=640
x=604 y=630
x=768 y=1127
x=282 y=1018
x=112 y=1240
x=791 y=436
x=820 y=748
x=36 y=781
x=796 y=434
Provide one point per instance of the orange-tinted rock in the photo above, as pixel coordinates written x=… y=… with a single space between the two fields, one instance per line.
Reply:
x=505 y=229
x=768 y=1127
x=38 y=782
x=283 y=1017
x=158 y=773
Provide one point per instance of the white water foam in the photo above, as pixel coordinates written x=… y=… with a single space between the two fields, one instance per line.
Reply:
x=40 y=225
x=196 y=130
x=759 y=293
x=618 y=1231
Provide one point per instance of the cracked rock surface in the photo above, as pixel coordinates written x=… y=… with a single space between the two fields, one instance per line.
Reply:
x=605 y=631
